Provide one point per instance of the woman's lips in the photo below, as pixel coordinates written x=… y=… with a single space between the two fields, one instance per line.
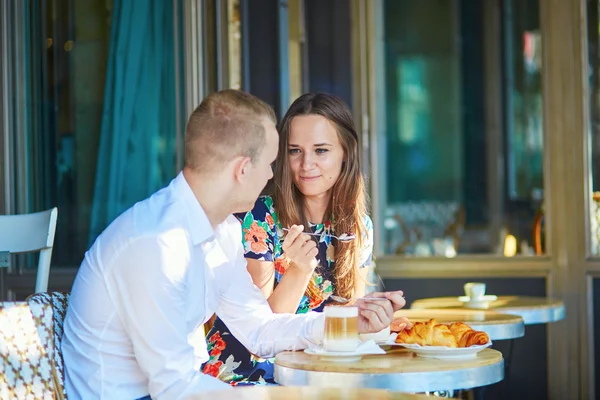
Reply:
x=309 y=178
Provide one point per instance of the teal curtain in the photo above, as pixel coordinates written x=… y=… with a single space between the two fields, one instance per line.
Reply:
x=137 y=154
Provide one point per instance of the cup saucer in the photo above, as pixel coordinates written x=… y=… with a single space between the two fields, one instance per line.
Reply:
x=336 y=356
x=479 y=302
x=364 y=348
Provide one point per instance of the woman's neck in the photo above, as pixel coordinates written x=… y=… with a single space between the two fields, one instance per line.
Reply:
x=315 y=207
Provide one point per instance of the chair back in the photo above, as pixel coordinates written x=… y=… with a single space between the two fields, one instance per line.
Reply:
x=58 y=302
x=26 y=349
x=25 y=233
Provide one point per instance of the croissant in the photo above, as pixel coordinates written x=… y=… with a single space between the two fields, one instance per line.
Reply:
x=428 y=333
x=431 y=333
x=467 y=336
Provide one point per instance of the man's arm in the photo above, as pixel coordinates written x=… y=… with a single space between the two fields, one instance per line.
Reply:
x=248 y=315
x=147 y=285
x=246 y=312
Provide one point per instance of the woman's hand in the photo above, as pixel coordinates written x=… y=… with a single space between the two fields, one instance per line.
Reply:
x=300 y=249
x=400 y=324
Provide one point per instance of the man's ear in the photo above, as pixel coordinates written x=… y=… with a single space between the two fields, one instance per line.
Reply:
x=241 y=168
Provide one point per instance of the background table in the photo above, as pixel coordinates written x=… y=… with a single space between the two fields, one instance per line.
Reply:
x=399 y=370
x=498 y=326
x=533 y=310
x=298 y=393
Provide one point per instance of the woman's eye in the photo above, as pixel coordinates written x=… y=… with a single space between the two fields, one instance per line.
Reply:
x=321 y=151
x=293 y=151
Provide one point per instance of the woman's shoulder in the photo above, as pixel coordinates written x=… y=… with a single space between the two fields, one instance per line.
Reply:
x=261 y=210
x=264 y=205
x=368 y=224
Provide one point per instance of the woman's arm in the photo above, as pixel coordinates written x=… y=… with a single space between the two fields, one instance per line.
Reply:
x=361 y=282
x=263 y=275
x=365 y=261
x=290 y=289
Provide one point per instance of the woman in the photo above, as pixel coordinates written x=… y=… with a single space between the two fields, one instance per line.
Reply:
x=318 y=189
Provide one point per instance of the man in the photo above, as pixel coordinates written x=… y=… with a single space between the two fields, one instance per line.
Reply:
x=162 y=268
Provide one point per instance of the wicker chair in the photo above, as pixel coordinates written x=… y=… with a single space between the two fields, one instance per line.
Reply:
x=58 y=303
x=27 y=349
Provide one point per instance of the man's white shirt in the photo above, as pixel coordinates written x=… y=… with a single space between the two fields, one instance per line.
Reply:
x=144 y=291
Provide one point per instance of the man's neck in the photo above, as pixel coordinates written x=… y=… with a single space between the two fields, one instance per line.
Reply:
x=316 y=206
x=210 y=195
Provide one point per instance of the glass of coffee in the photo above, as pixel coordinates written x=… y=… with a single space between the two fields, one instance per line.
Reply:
x=341 y=328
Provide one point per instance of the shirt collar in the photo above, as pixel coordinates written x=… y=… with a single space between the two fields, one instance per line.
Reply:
x=199 y=227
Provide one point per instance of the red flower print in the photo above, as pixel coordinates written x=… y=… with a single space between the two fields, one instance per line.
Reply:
x=218 y=343
x=212 y=369
x=280 y=265
x=327 y=225
x=315 y=302
x=257 y=237
x=216 y=336
x=270 y=221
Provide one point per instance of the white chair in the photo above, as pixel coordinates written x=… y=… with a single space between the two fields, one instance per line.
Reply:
x=26 y=233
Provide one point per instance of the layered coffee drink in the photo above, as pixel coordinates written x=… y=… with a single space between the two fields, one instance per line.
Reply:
x=341 y=329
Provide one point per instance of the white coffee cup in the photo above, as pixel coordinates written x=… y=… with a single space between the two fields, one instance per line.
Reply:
x=341 y=328
x=377 y=336
x=475 y=290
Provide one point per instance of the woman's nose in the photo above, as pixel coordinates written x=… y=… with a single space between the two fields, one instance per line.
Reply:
x=307 y=162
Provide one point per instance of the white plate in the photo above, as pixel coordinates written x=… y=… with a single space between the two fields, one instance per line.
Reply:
x=445 y=353
x=481 y=302
x=336 y=356
x=389 y=341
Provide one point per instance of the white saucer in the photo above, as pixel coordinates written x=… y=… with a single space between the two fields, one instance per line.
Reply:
x=480 y=302
x=445 y=353
x=336 y=356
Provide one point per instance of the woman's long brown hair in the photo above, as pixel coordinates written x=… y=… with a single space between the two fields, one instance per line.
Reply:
x=348 y=203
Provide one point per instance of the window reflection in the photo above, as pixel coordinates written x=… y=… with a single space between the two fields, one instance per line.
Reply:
x=455 y=182
x=593 y=31
x=102 y=138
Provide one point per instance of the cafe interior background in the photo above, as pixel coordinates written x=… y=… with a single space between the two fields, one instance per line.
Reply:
x=479 y=123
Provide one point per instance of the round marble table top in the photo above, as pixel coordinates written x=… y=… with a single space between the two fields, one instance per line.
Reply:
x=498 y=326
x=533 y=310
x=305 y=393
x=398 y=370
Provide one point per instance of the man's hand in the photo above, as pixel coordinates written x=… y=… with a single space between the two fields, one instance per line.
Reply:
x=376 y=311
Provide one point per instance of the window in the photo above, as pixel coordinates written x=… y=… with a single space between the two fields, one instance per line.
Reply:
x=461 y=116
x=99 y=108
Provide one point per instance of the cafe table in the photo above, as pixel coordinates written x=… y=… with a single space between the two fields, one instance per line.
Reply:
x=533 y=310
x=398 y=370
x=302 y=393
x=498 y=326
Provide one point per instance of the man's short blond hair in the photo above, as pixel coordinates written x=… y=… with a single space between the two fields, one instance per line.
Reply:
x=227 y=124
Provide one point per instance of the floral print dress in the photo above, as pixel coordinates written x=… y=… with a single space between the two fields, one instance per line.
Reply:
x=262 y=234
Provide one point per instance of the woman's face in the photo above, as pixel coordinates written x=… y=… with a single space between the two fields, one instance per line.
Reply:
x=315 y=154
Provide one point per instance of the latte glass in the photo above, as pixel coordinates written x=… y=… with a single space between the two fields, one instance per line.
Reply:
x=341 y=328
